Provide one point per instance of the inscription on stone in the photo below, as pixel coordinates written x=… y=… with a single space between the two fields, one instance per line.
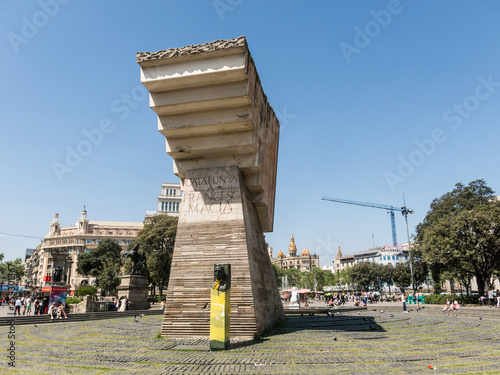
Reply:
x=216 y=194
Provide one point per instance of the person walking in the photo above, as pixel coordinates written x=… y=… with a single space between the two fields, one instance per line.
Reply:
x=17 y=306
x=403 y=299
x=37 y=306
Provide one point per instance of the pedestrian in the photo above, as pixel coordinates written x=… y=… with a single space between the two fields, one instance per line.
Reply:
x=37 y=306
x=27 y=301
x=162 y=304
x=52 y=311
x=123 y=304
x=490 y=297
x=61 y=312
x=23 y=304
x=43 y=305
x=17 y=306
x=498 y=298
x=117 y=303
x=403 y=299
x=416 y=295
x=447 y=305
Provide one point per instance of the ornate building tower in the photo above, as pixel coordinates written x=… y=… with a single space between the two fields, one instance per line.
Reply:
x=292 y=249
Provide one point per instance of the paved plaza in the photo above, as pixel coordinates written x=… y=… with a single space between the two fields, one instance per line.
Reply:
x=365 y=342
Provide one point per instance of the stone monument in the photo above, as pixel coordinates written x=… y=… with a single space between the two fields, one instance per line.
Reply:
x=294 y=299
x=223 y=136
x=134 y=285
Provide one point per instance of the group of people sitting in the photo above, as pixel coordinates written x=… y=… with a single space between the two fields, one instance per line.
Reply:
x=56 y=311
x=453 y=305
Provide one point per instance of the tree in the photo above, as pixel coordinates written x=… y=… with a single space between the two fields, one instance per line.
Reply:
x=103 y=263
x=402 y=275
x=11 y=269
x=364 y=274
x=461 y=233
x=294 y=277
x=156 y=241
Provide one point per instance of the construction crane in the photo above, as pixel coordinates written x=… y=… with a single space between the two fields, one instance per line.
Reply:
x=390 y=209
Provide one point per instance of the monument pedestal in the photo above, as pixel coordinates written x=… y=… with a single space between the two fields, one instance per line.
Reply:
x=219 y=224
x=135 y=288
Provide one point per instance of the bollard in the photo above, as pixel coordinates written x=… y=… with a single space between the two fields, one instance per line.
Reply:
x=220 y=307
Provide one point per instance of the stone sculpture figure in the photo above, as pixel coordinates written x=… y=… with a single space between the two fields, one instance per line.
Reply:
x=295 y=299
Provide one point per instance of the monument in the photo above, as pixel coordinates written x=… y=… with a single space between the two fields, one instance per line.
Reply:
x=294 y=299
x=223 y=137
x=134 y=285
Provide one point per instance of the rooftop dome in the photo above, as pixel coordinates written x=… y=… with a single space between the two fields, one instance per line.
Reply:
x=281 y=255
x=305 y=252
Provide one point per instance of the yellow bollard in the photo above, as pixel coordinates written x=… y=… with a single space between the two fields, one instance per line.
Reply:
x=220 y=308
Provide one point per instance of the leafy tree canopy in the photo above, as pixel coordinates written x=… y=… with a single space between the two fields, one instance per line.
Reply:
x=461 y=232
x=156 y=241
x=103 y=263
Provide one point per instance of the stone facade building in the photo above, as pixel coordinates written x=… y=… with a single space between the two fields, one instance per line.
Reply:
x=170 y=198
x=303 y=262
x=68 y=242
x=381 y=255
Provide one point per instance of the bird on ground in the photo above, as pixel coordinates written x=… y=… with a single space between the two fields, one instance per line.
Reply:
x=136 y=320
x=334 y=339
x=142 y=315
x=36 y=326
x=381 y=311
x=480 y=318
x=391 y=316
x=456 y=316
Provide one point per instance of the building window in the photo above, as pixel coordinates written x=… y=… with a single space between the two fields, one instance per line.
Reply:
x=170 y=206
x=70 y=251
x=177 y=204
x=406 y=257
x=175 y=192
x=163 y=206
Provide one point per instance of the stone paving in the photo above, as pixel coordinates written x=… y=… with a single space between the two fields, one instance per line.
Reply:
x=367 y=342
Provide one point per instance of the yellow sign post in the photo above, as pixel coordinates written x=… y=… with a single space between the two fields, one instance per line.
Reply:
x=220 y=308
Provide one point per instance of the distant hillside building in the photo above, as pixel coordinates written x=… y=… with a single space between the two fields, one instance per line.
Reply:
x=303 y=262
x=72 y=241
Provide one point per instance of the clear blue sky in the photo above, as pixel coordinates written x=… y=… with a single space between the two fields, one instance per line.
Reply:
x=357 y=85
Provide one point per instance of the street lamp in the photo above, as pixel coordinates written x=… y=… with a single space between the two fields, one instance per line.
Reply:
x=461 y=293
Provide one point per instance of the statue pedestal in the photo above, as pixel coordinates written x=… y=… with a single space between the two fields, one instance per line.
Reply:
x=294 y=306
x=135 y=288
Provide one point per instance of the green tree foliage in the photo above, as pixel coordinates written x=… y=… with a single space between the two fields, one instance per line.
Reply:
x=461 y=233
x=11 y=268
x=365 y=274
x=401 y=275
x=156 y=241
x=294 y=277
x=103 y=263
x=86 y=291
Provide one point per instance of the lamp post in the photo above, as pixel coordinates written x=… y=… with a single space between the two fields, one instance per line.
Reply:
x=461 y=293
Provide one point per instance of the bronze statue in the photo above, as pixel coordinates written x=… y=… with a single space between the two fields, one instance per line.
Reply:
x=138 y=260
x=221 y=277
x=57 y=274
